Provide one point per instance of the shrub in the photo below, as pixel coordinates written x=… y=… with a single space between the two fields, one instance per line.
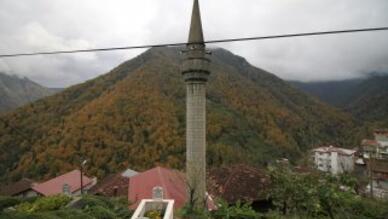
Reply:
x=16 y=215
x=118 y=206
x=70 y=214
x=238 y=211
x=188 y=212
x=44 y=204
x=100 y=212
x=366 y=208
x=224 y=211
x=88 y=201
x=6 y=202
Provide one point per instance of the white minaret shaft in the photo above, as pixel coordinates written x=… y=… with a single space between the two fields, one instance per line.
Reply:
x=196 y=140
x=195 y=72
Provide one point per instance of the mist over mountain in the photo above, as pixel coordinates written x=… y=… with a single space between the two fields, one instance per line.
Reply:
x=369 y=101
x=17 y=91
x=134 y=116
x=365 y=98
x=336 y=93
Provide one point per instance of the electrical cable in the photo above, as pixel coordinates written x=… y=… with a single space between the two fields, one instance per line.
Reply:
x=206 y=42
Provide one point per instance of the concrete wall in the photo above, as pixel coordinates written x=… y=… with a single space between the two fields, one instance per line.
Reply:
x=333 y=162
x=152 y=204
x=346 y=163
x=27 y=194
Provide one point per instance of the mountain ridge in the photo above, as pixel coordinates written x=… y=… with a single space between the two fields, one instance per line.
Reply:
x=365 y=98
x=17 y=91
x=335 y=93
x=135 y=114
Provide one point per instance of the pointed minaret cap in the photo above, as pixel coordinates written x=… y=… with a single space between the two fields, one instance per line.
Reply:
x=196 y=33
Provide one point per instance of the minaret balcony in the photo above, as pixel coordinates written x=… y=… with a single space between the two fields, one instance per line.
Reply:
x=195 y=66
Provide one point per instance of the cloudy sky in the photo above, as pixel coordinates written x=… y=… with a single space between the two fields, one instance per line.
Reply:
x=44 y=25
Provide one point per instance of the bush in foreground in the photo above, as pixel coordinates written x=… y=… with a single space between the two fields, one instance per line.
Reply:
x=58 y=207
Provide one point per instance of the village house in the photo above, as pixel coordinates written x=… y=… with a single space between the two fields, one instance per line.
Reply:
x=172 y=183
x=232 y=184
x=115 y=185
x=128 y=173
x=21 y=189
x=379 y=177
x=68 y=183
x=378 y=147
x=333 y=159
x=375 y=153
x=242 y=183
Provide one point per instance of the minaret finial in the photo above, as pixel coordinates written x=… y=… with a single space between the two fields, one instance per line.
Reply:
x=196 y=33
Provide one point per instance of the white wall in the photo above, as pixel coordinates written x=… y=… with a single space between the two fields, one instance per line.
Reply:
x=333 y=162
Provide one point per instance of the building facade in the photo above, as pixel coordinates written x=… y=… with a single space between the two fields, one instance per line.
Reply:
x=375 y=153
x=333 y=159
x=21 y=189
x=377 y=148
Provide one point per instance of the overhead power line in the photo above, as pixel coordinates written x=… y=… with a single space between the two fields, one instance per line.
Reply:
x=206 y=42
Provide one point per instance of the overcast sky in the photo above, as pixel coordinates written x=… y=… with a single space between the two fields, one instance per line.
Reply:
x=44 y=25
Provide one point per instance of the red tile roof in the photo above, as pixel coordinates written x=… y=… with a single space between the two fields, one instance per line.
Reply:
x=238 y=182
x=368 y=142
x=381 y=132
x=55 y=186
x=111 y=186
x=17 y=187
x=172 y=182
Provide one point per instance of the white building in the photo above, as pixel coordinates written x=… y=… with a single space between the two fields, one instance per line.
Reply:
x=375 y=153
x=334 y=160
x=378 y=148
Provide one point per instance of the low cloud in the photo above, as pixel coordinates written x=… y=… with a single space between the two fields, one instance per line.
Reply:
x=44 y=25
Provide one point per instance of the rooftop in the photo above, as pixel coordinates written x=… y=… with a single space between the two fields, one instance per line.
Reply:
x=369 y=142
x=172 y=182
x=330 y=149
x=17 y=187
x=238 y=182
x=129 y=173
x=112 y=186
x=381 y=132
x=55 y=186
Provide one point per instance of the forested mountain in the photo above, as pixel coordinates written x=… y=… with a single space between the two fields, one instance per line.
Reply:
x=16 y=91
x=135 y=116
x=366 y=99
x=370 y=101
x=336 y=93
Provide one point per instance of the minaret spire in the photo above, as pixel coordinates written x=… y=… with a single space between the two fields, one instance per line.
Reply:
x=195 y=72
x=196 y=33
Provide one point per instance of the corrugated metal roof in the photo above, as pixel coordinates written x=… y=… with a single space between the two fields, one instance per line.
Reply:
x=330 y=149
x=172 y=182
x=129 y=173
x=55 y=186
x=111 y=186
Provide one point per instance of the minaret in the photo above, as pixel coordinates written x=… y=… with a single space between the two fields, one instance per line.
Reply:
x=195 y=71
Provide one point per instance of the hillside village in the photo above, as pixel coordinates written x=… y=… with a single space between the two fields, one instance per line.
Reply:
x=191 y=133
x=368 y=161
